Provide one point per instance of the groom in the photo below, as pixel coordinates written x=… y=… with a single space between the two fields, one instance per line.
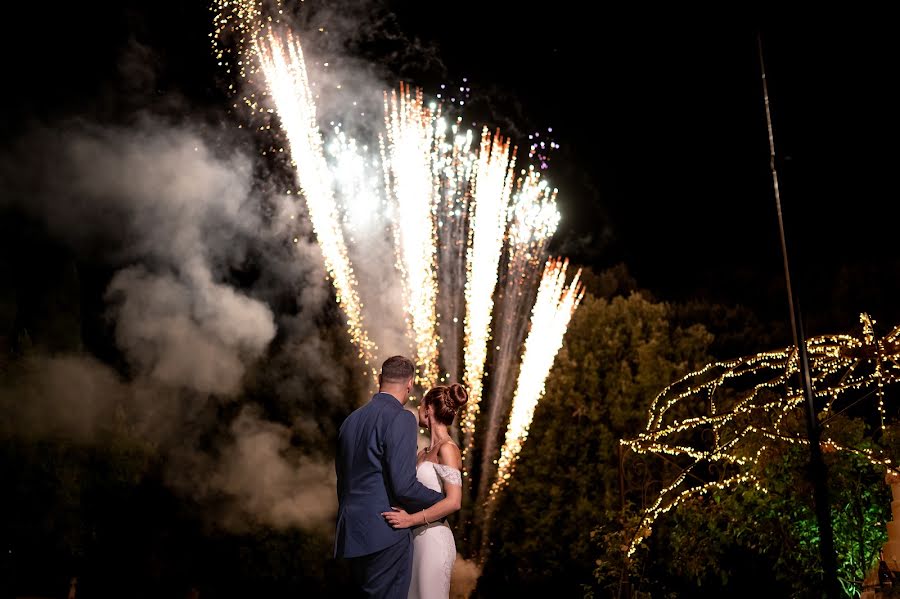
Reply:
x=376 y=469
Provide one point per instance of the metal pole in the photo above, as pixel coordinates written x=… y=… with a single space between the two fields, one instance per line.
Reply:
x=817 y=470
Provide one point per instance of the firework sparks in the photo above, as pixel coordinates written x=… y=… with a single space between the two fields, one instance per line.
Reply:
x=491 y=198
x=454 y=167
x=285 y=72
x=456 y=213
x=533 y=220
x=542 y=147
x=357 y=185
x=410 y=185
x=553 y=309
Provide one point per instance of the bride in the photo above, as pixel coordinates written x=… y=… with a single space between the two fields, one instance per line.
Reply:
x=438 y=468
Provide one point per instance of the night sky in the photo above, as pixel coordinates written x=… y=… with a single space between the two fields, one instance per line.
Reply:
x=664 y=159
x=152 y=277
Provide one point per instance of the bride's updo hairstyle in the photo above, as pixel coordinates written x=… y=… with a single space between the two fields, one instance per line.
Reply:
x=445 y=402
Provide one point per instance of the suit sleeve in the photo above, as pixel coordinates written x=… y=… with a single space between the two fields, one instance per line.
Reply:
x=400 y=465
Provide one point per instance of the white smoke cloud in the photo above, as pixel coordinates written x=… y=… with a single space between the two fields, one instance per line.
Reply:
x=73 y=395
x=267 y=482
x=174 y=214
x=464 y=577
x=153 y=190
x=196 y=334
x=156 y=194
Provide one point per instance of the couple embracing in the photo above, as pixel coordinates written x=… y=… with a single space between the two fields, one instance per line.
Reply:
x=393 y=499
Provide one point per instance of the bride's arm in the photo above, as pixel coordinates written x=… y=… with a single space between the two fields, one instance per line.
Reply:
x=448 y=455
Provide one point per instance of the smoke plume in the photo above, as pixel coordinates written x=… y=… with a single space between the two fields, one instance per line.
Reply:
x=178 y=216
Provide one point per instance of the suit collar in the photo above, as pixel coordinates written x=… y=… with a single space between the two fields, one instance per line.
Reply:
x=387 y=397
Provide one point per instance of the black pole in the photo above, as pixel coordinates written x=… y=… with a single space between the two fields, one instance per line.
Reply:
x=817 y=470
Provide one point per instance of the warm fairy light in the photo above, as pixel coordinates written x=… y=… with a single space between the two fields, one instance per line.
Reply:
x=742 y=425
x=553 y=309
x=410 y=186
x=285 y=72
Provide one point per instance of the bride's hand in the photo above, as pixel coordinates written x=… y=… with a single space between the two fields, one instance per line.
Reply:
x=398 y=518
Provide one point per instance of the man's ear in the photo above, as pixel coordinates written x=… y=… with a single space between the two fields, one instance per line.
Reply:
x=379 y=380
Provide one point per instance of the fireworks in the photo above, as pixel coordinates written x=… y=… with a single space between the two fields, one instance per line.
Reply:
x=553 y=309
x=533 y=219
x=410 y=184
x=466 y=231
x=542 y=147
x=492 y=191
x=285 y=72
x=455 y=168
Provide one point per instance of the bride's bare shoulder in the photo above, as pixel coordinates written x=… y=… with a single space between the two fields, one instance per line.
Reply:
x=449 y=455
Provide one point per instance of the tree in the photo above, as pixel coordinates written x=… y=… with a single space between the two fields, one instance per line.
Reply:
x=616 y=357
x=763 y=541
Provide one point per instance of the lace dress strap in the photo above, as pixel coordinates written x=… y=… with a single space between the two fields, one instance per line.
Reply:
x=448 y=474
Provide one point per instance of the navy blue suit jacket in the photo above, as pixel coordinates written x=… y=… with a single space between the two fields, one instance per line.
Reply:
x=376 y=469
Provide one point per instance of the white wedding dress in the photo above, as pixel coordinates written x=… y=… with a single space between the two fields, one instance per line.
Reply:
x=434 y=549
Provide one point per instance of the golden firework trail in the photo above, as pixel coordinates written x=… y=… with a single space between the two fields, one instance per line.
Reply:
x=533 y=220
x=490 y=201
x=412 y=187
x=553 y=309
x=454 y=168
x=281 y=61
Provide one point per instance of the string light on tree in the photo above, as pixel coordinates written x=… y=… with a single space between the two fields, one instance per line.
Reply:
x=747 y=405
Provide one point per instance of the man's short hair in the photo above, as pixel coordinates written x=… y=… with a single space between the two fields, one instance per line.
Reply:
x=397 y=369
